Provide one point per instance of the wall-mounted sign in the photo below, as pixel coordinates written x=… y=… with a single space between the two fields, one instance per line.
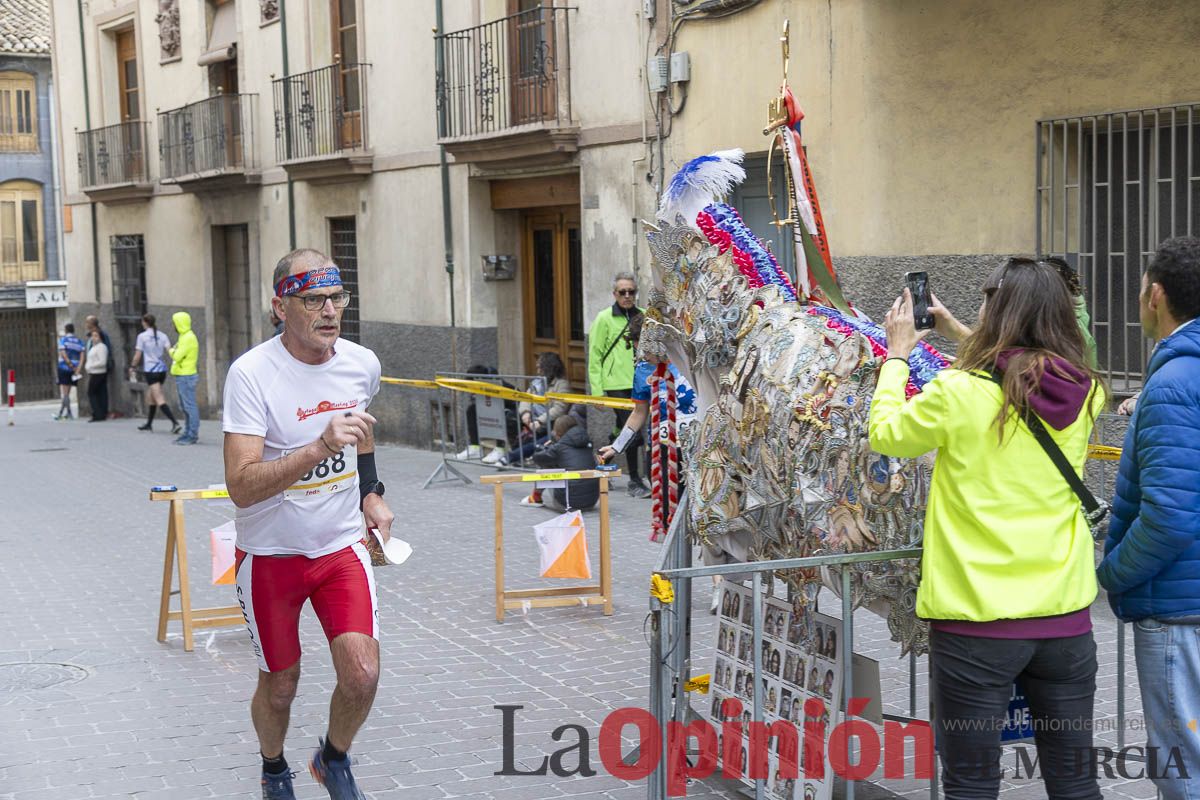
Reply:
x=499 y=268
x=46 y=294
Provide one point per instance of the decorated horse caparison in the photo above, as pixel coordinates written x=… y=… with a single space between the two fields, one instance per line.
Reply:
x=778 y=465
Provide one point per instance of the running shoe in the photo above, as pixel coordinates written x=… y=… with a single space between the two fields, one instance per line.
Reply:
x=278 y=787
x=334 y=776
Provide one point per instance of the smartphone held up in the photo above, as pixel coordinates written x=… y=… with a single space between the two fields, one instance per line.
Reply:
x=918 y=287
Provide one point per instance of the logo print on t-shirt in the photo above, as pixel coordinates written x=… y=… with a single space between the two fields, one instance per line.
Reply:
x=322 y=407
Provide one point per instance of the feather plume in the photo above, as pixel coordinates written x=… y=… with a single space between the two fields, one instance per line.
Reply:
x=701 y=182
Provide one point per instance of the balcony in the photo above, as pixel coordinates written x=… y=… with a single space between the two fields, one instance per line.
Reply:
x=208 y=146
x=503 y=90
x=321 y=123
x=112 y=162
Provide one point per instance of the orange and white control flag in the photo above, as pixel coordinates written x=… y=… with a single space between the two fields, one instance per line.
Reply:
x=223 y=554
x=563 y=546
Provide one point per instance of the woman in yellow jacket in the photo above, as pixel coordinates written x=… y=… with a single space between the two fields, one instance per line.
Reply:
x=1007 y=572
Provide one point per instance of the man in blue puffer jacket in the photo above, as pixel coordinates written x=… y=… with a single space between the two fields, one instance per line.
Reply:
x=1151 y=565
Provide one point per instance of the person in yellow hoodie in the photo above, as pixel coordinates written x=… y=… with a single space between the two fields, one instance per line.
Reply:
x=184 y=357
x=1007 y=571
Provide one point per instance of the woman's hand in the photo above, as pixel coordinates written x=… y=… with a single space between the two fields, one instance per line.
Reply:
x=946 y=323
x=902 y=333
x=605 y=453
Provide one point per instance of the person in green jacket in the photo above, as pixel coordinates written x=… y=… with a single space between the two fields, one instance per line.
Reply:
x=184 y=357
x=1007 y=570
x=610 y=364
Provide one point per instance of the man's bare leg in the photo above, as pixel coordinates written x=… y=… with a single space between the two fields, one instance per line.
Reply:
x=356 y=660
x=271 y=708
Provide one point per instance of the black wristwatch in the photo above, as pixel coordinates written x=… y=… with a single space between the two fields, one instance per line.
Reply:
x=374 y=487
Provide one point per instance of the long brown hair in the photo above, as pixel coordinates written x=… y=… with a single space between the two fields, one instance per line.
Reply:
x=1028 y=313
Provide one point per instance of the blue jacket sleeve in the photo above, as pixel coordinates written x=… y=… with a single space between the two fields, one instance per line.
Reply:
x=1169 y=478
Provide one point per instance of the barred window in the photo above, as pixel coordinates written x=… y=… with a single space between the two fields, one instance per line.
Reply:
x=1110 y=188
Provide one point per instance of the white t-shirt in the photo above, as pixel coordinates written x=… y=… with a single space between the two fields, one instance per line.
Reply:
x=269 y=393
x=152 y=348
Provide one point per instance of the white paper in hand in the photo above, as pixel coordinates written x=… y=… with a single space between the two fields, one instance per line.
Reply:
x=395 y=551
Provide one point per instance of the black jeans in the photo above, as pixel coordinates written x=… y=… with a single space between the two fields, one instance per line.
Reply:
x=972 y=684
x=633 y=454
x=97 y=392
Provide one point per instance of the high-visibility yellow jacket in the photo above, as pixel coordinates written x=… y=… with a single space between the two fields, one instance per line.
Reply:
x=1005 y=536
x=186 y=352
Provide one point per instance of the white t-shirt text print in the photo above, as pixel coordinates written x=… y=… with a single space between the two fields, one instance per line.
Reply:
x=271 y=394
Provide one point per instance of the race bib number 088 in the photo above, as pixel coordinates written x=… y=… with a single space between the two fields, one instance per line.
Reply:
x=332 y=474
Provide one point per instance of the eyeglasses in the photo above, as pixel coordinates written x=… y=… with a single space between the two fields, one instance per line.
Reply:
x=627 y=292
x=316 y=302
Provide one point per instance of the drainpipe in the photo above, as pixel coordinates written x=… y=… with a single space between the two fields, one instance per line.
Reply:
x=56 y=174
x=87 y=116
x=287 y=127
x=447 y=223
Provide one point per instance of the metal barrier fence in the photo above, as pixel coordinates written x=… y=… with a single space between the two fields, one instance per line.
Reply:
x=670 y=644
x=450 y=410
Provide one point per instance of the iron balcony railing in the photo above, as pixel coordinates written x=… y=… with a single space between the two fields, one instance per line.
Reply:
x=114 y=154
x=504 y=74
x=322 y=112
x=212 y=136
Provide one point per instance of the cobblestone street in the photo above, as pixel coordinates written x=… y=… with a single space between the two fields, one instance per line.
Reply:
x=91 y=706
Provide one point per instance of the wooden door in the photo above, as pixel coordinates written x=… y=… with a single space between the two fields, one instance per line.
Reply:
x=552 y=280
x=227 y=112
x=132 y=148
x=347 y=76
x=532 y=89
x=233 y=322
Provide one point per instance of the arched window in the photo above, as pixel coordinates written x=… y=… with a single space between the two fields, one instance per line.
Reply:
x=18 y=112
x=21 y=233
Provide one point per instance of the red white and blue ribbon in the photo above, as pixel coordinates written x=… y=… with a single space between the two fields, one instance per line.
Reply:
x=664 y=489
x=318 y=278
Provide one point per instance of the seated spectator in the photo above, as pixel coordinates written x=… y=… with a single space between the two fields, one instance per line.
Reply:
x=570 y=450
x=537 y=419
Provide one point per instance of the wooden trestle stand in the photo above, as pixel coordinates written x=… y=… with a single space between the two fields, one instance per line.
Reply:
x=191 y=618
x=559 y=596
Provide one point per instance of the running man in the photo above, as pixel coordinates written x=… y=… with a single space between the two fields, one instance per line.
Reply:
x=299 y=466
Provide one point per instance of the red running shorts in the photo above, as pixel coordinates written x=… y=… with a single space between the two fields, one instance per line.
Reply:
x=272 y=589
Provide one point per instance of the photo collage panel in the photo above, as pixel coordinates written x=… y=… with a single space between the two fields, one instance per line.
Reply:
x=791 y=674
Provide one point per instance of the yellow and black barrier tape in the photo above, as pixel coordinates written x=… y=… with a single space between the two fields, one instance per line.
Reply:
x=587 y=399
x=1099 y=452
x=505 y=393
x=411 y=382
x=1103 y=452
